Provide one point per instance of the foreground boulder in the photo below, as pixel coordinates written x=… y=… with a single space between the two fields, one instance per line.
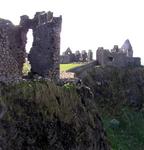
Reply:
x=38 y=115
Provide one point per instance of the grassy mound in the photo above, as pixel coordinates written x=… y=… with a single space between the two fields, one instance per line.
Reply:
x=38 y=115
x=115 y=91
x=116 y=87
x=129 y=134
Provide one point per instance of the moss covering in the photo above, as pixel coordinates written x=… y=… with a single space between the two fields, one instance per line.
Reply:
x=40 y=115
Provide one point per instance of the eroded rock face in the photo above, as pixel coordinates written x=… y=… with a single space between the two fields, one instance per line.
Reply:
x=12 y=50
x=42 y=116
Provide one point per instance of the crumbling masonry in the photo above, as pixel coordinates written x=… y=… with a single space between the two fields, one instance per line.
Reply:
x=44 y=54
x=118 y=57
x=12 y=50
x=69 y=57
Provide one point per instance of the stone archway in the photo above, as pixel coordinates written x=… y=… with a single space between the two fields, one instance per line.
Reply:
x=44 y=54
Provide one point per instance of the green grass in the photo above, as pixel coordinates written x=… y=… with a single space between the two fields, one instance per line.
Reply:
x=130 y=133
x=109 y=86
x=65 y=67
x=26 y=68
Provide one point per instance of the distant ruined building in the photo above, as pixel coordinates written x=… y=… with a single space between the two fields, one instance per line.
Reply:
x=118 y=57
x=69 y=57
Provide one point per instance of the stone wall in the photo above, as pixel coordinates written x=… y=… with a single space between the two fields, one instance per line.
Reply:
x=83 y=70
x=90 y=55
x=44 y=54
x=65 y=59
x=69 y=57
x=116 y=58
x=12 y=51
x=133 y=61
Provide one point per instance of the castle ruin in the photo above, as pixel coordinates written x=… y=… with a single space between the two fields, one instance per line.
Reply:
x=118 y=57
x=44 y=54
x=69 y=57
x=12 y=50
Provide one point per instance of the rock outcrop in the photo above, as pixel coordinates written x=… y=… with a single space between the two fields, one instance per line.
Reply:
x=37 y=115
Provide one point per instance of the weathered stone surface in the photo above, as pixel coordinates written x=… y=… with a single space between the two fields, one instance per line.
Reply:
x=12 y=50
x=69 y=57
x=127 y=48
x=44 y=54
x=118 y=57
x=90 y=55
x=83 y=56
x=68 y=51
x=77 y=56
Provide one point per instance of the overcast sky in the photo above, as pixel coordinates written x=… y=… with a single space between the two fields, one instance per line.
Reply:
x=88 y=24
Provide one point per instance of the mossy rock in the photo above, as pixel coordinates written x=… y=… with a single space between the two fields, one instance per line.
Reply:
x=38 y=115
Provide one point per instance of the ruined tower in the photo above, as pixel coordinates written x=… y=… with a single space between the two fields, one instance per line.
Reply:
x=83 y=56
x=77 y=56
x=45 y=51
x=90 y=55
x=44 y=54
x=127 y=48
